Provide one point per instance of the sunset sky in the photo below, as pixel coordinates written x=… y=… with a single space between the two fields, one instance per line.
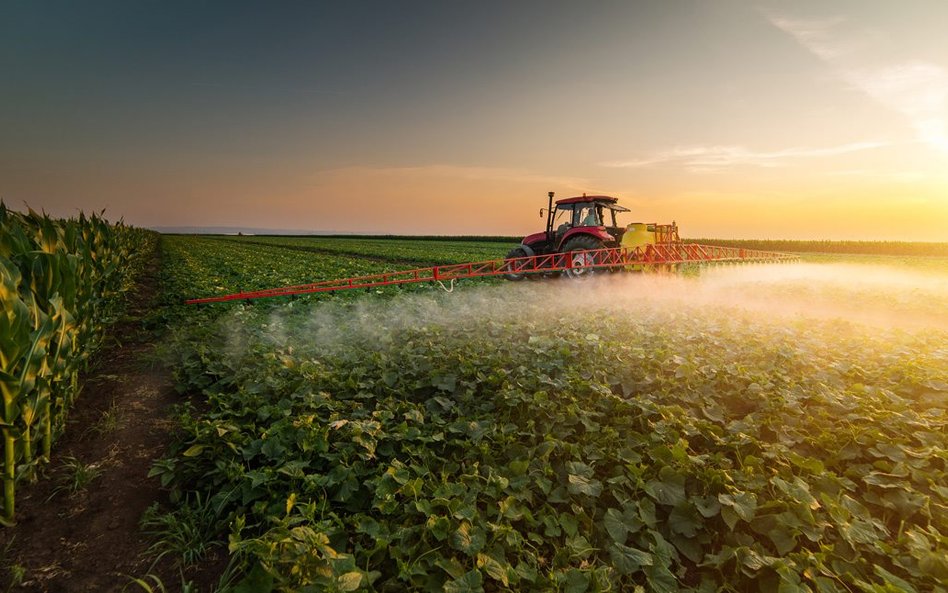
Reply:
x=735 y=119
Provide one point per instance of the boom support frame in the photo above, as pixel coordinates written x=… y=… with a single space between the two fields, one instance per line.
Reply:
x=657 y=256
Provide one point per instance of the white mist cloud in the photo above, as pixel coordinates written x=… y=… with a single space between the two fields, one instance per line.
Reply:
x=869 y=297
x=917 y=89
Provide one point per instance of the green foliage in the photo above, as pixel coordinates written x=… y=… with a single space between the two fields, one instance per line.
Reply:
x=74 y=476
x=108 y=421
x=61 y=283
x=15 y=572
x=418 y=251
x=187 y=533
x=443 y=446
x=201 y=266
x=151 y=583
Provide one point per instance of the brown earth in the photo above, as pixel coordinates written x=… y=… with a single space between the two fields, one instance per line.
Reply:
x=91 y=540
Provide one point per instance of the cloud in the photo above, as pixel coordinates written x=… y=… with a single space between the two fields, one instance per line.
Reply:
x=475 y=173
x=465 y=173
x=915 y=88
x=919 y=90
x=817 y=36
x=702 y=159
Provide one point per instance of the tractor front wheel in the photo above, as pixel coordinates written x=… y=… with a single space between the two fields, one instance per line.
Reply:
x=511 y=274
x=580 y=262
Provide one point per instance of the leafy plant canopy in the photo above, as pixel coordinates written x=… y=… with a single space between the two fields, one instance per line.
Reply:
x=523 y=439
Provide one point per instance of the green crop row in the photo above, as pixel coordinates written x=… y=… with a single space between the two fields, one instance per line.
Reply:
x=205 y=266
x=419 y=252
x=426 y=238
x=61 y=284
x=491 y=442
x=211 y=267
x=446 y=251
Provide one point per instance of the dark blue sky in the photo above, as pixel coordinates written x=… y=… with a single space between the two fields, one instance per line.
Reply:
x=199 y=76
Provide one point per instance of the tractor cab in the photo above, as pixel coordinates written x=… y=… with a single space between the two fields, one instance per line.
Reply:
x=590 y=220
x=592 y=214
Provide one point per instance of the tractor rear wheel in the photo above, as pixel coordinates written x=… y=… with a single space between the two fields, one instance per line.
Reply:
x=513 y=254
x=581 y=262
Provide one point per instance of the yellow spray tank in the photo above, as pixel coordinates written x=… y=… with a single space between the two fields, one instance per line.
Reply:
x=638 y=234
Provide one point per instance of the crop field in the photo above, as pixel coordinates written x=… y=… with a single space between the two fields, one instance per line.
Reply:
x=754 y=428
x=420 y=252
x=264 y=262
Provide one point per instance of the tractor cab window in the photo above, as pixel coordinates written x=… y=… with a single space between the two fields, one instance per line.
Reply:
x=609 y=217
x=588 y=215
x=563 y=219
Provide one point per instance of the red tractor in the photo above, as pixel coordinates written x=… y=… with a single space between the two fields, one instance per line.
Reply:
x=574 y=225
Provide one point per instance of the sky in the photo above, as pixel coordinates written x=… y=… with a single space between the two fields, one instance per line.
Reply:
x=810 y=120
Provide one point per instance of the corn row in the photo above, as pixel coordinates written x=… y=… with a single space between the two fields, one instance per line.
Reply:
x=61 y=283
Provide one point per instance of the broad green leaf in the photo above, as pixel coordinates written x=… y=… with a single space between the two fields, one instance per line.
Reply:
x=897 y=582
x=471 y=582
x=350 y=581
x=577 y=581
x=668 y=489
x=684 y=519
x=583 y=485
x=496 y=569
x=629 y=560
x=660 y=579
x=615 y=526
x=744 y=504
x=467 y=538
x=193 y=451
x=707 y=506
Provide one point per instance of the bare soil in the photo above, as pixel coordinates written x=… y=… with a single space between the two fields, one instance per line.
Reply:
x=91 y=540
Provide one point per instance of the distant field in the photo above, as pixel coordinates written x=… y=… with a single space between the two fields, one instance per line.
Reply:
x=404 y=250
x=219 y=264
x=449 y=249
x=260 y=261
x=853 y=247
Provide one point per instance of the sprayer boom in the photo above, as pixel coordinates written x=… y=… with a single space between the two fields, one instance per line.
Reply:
x=575 y=263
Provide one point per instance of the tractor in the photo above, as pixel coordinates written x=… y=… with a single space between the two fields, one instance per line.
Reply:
x=578 y=225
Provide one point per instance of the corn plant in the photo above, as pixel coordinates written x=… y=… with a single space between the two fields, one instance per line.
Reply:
x=61 y=283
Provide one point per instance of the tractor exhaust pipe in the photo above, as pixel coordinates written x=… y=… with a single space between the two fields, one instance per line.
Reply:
x=549 y=217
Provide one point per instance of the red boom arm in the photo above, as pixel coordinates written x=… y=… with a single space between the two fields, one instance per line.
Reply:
x=649 y=256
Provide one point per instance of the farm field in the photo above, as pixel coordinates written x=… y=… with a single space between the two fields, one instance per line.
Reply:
x=307 y=297
x=428 y=252
x=752 y=428
x=263 y=262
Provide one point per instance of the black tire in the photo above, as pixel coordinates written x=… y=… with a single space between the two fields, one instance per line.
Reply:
x=515 y=253
x=580 y=243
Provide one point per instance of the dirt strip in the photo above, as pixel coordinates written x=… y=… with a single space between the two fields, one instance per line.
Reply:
x=90 y=540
